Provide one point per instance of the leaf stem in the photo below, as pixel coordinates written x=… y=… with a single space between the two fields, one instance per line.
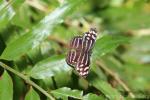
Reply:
x=116 y=77
x=27 y=80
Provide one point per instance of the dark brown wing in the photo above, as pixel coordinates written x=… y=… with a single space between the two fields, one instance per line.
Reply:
x=83 y=63
x=80 y=51
x=89 y=39
x=74 y=51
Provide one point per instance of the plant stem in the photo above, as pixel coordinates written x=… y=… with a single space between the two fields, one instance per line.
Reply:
x=27 y=80
x=116 y=77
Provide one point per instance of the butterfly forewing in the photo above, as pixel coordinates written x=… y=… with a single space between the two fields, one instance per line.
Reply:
x=89 y=39
x=74 y=51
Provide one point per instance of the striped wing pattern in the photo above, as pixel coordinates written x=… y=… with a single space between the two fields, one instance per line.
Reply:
x=74 y=52
x=80 y=51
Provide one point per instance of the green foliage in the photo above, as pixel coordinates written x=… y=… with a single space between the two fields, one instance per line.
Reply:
x=65 y=92
x=47 y=68
x=38 y=33
x=6 y=87
x=109 y=92
x=34 y=38
x=107 y=44
x=6 y=12
x=32 y=95
x=93 y=97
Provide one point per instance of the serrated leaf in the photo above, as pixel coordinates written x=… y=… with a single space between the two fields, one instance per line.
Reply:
x=49 y=67
x=66 y=92
x=6 y=87
x=32 y=95
x=39 y=32
x=107 y=44
x=91 y=96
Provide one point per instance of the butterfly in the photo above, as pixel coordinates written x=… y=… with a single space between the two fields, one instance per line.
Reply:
x=80 y=50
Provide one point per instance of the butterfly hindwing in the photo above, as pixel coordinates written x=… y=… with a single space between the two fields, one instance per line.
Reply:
x=83 y=63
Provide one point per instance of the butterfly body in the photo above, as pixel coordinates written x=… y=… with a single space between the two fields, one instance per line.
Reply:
x=80 y=51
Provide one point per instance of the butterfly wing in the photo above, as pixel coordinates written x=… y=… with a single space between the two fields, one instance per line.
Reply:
x=83 y=63
x=89 y=39
x=80 y=51
x=84 y=58
x=74 y=51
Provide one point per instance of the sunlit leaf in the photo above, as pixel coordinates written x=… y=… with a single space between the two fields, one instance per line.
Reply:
x=39 y=32
x=6 y=13
x=65 y=92
x=6 y=87
x=91 y=96
x=32 y=95
x=49 y=67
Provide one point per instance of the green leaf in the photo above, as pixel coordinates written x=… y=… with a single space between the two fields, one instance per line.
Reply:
x=7 y=13
x=91 y=96
x=22 y=17
x=106 y=89
x=98 y=82
x=6 y=87
x=65 y=92
x=107 y=44
x=49 y=67
x=38 y=33
x=32 y=95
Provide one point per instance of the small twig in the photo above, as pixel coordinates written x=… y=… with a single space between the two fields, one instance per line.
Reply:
x=27 y=80
x=116 y=77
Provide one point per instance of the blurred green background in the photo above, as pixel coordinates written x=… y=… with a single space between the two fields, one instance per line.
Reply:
x=34 y=35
